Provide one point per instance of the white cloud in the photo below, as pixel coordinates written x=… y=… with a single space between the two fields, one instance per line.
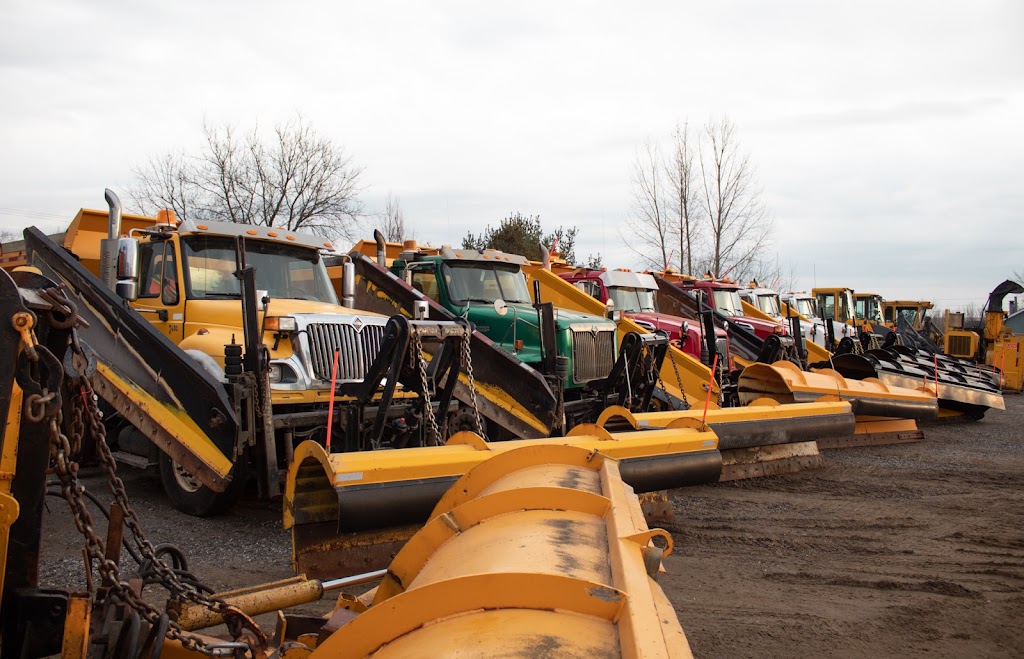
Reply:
x=887 y=135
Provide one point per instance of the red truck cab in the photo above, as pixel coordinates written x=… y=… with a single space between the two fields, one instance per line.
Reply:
x=635 y=294
x=724 y=296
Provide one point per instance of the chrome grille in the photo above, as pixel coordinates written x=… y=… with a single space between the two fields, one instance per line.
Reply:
x=356 y=350
x=593 y=354
x=722 y=346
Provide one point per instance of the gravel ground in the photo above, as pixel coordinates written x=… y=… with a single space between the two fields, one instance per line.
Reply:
x=903 y=550
x=906 y=550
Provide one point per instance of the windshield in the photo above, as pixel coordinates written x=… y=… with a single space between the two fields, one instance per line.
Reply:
x=846 y=306
x=472 y=281
x=728 y=303
x=805 y=307
x=284 y=271
x=872 y=309
x=768 y=304
x=909 y=314
x=632 y=300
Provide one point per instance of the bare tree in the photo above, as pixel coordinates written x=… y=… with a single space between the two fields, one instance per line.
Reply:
x=740 y=224
x=650 y=228
x=681 y=173
x=298 y=180
x=167 y=181
x=392 y=220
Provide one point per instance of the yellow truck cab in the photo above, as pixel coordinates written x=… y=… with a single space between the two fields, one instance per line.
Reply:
x=187 y=289
x=186 y=278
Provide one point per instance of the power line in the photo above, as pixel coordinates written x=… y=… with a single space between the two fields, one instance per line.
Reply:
x=32 y=214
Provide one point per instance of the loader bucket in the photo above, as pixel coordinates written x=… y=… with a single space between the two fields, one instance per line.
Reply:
x=537 y=551
x=339 y=506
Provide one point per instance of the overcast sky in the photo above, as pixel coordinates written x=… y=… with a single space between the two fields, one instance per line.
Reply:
x=888 y=136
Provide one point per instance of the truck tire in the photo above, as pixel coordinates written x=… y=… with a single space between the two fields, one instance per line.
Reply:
x=192 y=497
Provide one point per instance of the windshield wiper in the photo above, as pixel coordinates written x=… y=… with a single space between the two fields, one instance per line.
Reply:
x=478 y=299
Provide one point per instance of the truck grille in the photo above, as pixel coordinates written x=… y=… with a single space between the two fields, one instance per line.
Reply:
x=593 y=354
x=356 y=350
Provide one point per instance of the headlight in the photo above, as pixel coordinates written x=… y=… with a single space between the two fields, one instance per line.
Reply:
x=279 y=373
x=280 y=324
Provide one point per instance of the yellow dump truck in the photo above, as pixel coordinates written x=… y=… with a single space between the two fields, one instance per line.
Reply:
x=254 y=307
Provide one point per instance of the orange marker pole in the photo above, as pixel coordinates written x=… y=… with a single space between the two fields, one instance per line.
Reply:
x=330 y=405
x=936 y=358
x=707 y=399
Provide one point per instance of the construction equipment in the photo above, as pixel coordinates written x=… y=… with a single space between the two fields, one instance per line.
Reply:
x=804 y=306
x=576 y=354
x=301 y=355
x=868 y=309
x=635 y=294
x=991 y=343
x=836 y=307
x=493 y=554
x=914 y=312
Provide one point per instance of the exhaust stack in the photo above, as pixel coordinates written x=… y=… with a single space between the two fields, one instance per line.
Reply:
x=348 y=284
x=108 y=246
x=382 y=252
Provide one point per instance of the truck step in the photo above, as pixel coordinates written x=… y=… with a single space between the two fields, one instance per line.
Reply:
x=139 y=461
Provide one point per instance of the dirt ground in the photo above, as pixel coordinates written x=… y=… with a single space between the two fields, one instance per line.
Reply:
x=905 y=550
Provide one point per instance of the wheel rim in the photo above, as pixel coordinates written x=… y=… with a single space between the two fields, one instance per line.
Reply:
x=184 y=479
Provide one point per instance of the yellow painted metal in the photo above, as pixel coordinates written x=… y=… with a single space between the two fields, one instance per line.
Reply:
x=788 y=383
x=75 y=644
x=762 y=410
x=1007 y=354
x=554 y=560
x=754 y=312
x=694 y=375
x=254 y=601
x=9 y=507
x=465 y=450
x=210 y=465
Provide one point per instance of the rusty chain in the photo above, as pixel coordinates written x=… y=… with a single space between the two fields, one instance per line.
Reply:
x=419 y=363
x=467 y=365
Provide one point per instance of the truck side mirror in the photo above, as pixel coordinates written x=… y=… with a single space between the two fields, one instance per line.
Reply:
x=127 y=287
x=609 y=309
x=500 y=307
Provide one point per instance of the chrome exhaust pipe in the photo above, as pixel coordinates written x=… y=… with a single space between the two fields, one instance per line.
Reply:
x=348 y=284
x=108 y=245
x=382 y=250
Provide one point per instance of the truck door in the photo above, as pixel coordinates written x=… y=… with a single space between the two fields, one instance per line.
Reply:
x=161 y=296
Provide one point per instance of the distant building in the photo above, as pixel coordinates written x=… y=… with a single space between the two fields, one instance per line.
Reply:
x=1016 y=322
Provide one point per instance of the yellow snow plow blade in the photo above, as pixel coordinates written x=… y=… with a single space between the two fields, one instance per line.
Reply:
x=764 y=422
x=786 y=383
x=347 y=511
x=542 y=550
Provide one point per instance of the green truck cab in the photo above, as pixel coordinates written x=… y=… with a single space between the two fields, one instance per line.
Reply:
x=490 y=289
